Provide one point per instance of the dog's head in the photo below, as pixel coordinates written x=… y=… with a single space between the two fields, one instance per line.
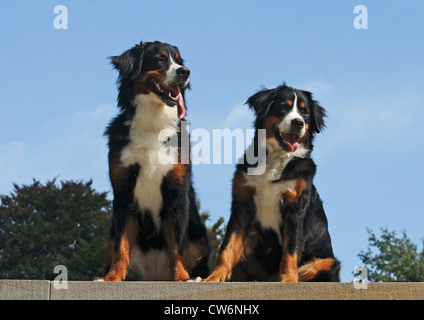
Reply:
x=290 y=116
x=155 y=69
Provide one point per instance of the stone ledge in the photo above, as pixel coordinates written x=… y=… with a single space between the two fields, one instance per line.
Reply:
x=86 y=290
x=25 y=289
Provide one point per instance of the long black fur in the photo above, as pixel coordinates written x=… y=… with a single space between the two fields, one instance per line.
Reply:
x=179 y=199
x=304 y=227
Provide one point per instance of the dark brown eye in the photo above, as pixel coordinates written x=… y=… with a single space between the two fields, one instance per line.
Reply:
x=302 y=108
x=177 y=58
x=304 y=111
x=163 y=59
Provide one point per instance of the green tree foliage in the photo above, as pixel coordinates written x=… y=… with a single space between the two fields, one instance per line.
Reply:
x=42 y=226
x=392 y=258
x=216 y=233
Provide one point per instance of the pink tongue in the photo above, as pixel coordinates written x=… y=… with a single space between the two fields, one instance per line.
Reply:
x=181 y=108
x=293 y=147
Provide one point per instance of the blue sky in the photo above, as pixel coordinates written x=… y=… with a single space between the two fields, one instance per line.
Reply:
x=57 y=93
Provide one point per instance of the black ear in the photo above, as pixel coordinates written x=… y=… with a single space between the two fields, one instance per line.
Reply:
x=262 y=101
x=317 y=114
x=129 y=63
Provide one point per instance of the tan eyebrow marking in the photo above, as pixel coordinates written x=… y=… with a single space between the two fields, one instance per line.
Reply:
x=302 y=104
x=164 y=53
x=177 y=56
x=289 y=103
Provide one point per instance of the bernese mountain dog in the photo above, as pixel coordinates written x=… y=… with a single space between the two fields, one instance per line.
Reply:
x=156 y=230
x=278 y=229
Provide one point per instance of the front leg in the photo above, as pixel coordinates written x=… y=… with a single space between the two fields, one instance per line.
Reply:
x=231 y=253
x=175 y=215
x=242 y=214
x=124 y=228
x=289 y=260
x=176 y=266
x=292 y=231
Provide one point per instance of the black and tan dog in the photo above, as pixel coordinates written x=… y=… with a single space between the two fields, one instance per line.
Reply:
x=278 y=229
x=156 y=231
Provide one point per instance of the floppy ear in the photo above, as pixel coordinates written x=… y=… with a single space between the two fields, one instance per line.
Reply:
x=317 y=114
x=129 y=63
x=262 y=101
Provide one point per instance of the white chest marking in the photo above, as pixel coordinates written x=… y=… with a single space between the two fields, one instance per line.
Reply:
x=268 y=195
x=268 y=198
x=150 y=119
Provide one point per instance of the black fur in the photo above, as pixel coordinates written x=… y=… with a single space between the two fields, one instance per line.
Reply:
x=178 y=196
x=304 y=228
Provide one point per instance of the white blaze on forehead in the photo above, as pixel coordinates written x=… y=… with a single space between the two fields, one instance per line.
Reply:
x=173 y=66
x=285 y=125
x=171 y=74
x=295 y=111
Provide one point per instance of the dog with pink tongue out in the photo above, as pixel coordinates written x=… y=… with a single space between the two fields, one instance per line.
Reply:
x=156 y=231
x=278 y=229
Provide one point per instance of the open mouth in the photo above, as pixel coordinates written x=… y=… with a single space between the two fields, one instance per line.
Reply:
x=287 y=141
x=171 y=95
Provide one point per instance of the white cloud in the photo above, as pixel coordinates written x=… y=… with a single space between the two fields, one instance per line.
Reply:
x=10 y=152
x=239 y=117
x=382 y=121
x=102 y=111
x=80 y=151
x=13 y=161
x=73 y=148
x=320 y=88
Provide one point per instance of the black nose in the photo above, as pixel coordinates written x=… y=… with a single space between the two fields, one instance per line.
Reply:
x=183 y=72
x=297 y=123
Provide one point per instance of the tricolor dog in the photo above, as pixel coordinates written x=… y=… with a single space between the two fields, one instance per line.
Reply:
x=156 y=231
x=278 y=229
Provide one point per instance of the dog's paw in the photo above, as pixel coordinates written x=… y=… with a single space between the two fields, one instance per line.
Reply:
x=198 y=280
x=99 y=279
x=215 y=277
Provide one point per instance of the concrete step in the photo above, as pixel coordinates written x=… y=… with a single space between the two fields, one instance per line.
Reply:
x=87 y=290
